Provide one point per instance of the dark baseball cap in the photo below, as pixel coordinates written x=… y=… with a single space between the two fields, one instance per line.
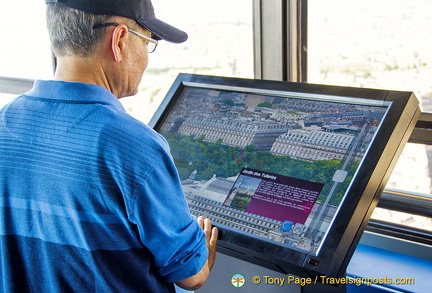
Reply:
x=140 y=10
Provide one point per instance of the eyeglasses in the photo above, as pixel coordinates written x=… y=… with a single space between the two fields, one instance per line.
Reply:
x=151 y=44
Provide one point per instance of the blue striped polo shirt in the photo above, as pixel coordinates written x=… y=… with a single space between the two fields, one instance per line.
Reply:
x=90 y=200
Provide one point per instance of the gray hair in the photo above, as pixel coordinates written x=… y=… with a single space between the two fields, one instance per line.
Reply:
x=71 y=31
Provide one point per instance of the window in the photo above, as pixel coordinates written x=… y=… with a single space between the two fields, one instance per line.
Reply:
x=379 y=44
x=25 y=51
x=220 y=43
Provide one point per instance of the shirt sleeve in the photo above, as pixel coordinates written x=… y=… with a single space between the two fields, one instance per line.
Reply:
x=165 y=224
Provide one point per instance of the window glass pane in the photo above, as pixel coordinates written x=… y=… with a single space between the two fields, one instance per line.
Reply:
x=25 y=50
x=378 y=44
x=5 y=98
x=413 y=170
x=405 y=219
x=220 y=43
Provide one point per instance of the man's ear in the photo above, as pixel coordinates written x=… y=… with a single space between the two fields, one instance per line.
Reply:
x=118 y=42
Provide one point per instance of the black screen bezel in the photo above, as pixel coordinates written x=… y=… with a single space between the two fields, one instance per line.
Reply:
x=363 y=195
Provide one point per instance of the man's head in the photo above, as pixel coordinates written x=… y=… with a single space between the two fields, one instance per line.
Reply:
x=102 y=29
x=139 y=10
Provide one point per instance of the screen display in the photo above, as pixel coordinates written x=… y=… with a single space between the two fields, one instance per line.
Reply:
x=275 y=165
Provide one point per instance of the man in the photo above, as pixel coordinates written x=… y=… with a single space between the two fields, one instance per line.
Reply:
x=90 y=200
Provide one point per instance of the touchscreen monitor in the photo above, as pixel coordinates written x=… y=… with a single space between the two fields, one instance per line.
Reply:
x=288 y=172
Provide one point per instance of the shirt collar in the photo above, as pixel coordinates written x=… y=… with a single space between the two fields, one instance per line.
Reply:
x=73 y=92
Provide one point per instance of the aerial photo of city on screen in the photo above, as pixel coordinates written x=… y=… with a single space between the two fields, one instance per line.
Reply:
x=270 y=166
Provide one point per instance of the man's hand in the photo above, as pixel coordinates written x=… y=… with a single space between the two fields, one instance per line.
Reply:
x=211 y=238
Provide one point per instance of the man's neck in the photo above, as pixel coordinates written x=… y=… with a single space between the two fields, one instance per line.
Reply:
x=86 y=70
